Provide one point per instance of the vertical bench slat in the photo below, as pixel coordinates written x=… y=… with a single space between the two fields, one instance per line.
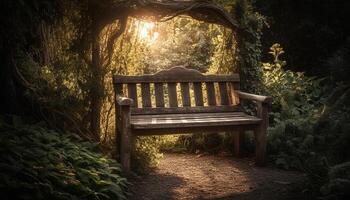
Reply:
x=198 y=93
x=223 y=93
x=146 y=95
x=211 y=93
x=185 y=94
x=172 y=94
x=234 y=99
x=158 y=88
x=132 y=93
x=118 y=89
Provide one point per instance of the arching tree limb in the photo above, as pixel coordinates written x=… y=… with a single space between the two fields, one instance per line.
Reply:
x=202 y=10
x=162 y=10
x=206 y=11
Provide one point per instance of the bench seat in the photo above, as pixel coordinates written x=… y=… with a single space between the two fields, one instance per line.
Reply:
x=191 y=120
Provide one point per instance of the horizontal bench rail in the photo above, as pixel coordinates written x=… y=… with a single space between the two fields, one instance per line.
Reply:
x=177 y=75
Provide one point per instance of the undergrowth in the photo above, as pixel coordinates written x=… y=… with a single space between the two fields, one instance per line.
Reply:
x=309 y=128
x=37 y=163
x=147 y=154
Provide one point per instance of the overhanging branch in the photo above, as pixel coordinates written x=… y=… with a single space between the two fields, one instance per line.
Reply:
x=106 y=12
x=200 y=10
x=161 y=10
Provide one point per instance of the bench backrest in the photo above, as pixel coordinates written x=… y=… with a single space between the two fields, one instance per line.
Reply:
x=178 y=84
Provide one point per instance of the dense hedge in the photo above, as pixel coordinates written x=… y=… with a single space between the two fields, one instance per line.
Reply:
x=36 y=163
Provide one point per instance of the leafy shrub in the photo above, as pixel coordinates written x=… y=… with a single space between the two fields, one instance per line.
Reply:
x=147 y=153
x=295 y=109
x=209 y=142
x=338 y=184
x=309 y=127
x=36 y=163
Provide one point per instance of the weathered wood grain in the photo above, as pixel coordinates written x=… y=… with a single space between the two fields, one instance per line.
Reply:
x=132 y=93
x=254 y=97
x=223 y=93
x=126 y=138
x=159 y=92
x=238 y=138
x=177 y=75
x=172 y=94
x=146 y=95
x=211 y=93
x=193 y=120
x=198 y=94
x=185 y=94
x=260 y=134
x=192 y=130
x=118 y=88
x=234 y=97
x=197 y=109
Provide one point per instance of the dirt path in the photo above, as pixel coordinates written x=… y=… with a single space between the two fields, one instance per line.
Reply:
x=184 y=176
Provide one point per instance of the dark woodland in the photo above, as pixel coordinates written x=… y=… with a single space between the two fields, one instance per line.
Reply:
x=175 y=99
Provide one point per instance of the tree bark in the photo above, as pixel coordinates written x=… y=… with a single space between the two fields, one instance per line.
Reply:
x=9 y=98
x=97 y=88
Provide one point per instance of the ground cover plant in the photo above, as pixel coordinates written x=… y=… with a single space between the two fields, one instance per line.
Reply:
x=38 y=163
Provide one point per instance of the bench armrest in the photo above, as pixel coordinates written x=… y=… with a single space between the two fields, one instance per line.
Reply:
x=254 y=97
x=124 y=101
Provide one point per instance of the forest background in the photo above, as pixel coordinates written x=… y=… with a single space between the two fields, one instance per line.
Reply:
x=53 y=94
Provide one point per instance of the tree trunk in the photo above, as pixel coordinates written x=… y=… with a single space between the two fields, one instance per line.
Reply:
x=8 y=94
x=97 y=89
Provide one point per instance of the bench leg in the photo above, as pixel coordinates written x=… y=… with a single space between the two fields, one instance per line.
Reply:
x=261 y=135
x=118 y=143
x=125 y=155
x=260 y=145
x=238 y=143
x=126 y=140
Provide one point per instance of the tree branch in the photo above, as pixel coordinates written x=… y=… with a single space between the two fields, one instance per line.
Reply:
x=200 y=10
x=106 y=12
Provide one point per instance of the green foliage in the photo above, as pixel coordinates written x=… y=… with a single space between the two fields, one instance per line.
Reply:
x=332 y=145
x=296 y=102
x=19 y=33
x=183 y=42
x=212 y=143
x=147 y=153
x=249 y=44
x=338 y=184
x=309 y=126
x=338 y=63
x=36 y=163
x=55 y=79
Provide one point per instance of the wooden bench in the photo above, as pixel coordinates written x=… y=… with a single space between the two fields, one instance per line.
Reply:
x=215 y=111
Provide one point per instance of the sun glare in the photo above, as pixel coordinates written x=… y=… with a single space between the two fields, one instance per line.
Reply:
x=146 y=31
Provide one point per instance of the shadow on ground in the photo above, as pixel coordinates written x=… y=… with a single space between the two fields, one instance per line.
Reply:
x=186 y=176
x=156 y=186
